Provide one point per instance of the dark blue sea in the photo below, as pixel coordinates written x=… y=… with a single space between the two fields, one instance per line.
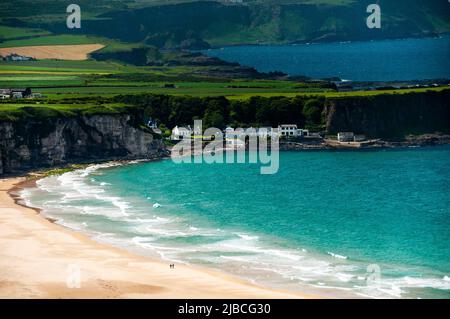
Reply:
x=387 y=60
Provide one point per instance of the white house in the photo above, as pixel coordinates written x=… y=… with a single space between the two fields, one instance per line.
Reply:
x=346 y=137
x=152 y=124
x=36 y=95
x=234 y=143
x=288 y=130
x=262 y=132
x=302 y=132
x=17 y=95
x=267 y=132
x=360 y=138
x=179 y=133
x=314 y=135
x=17 y=57
x=229 y=132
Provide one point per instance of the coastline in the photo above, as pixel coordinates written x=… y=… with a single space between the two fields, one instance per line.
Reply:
x=325 y=41
x=36 y=256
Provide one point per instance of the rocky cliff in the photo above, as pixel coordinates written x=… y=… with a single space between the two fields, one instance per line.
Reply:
x=44 y=142
x=389 y=115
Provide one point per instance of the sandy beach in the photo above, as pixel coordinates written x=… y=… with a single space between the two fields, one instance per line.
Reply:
x=39 y=258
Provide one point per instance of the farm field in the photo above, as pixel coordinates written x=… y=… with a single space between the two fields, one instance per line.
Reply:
x=57 y=52
x=76 y=79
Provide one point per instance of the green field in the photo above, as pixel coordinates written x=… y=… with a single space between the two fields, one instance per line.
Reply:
x=15 y=111
x=74 y=79
x=14 y=33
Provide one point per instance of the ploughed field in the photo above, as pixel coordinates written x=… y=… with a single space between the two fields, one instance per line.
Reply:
x=59 y=52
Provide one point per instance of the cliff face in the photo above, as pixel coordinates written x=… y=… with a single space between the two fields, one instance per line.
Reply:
x=43 y=142
x=388 y=116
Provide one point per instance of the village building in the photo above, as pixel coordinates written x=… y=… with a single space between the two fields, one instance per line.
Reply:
x=314 y=135
x=288 y=130
x=36 y=96
x=303 y=132
x=152 y=124
x=197 y=130
x=235 y=143
x=262 y=132
x=17 y=57
x=179 y=133
x=346 y=137
x=15 y=93
x=229 y=132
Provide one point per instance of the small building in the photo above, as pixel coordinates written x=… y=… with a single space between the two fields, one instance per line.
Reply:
x=360 y=138
x=288 y=130
x=346 y=137
x=314 y=135
x=5 y=93
x=17 y=93
x=36 y=96
x=302 y=132
x=17 y=57
x=268 y=132
x=152 y=124
x=229 y=132
x=179 y=133
x=235 y=143
x=197 y=130
x=262 y=132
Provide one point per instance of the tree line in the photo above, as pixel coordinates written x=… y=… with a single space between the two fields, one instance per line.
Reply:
x=219 y=112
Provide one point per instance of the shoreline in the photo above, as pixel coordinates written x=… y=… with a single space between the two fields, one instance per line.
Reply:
x=36 y=255
x=326 y=41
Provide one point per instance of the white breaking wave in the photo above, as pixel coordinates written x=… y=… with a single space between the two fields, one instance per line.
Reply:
x=337 y=256
x=247 y=237
x=73 y=186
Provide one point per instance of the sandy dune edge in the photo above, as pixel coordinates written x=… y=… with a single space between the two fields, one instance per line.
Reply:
x=36 y=256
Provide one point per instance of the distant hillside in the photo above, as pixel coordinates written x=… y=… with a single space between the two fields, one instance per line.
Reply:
x=199 y=24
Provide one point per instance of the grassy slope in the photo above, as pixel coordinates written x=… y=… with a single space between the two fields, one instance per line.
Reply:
x=259 y=21
x=12 y=32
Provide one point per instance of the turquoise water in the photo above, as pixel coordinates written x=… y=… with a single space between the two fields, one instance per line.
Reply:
x=315 y=226
x=387 y=60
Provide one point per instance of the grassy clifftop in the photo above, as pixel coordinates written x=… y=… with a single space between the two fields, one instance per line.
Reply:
x=380 y=115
